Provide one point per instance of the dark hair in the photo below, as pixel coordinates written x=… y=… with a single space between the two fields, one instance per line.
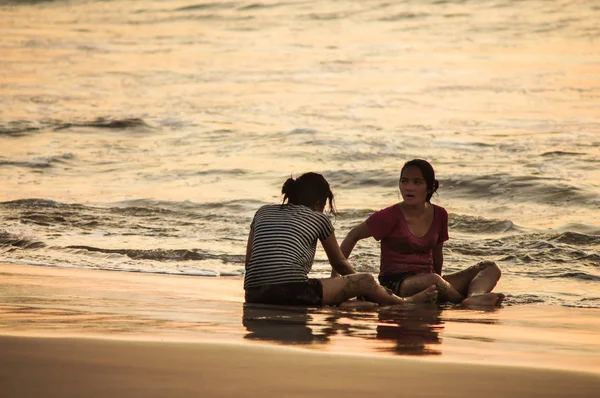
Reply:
x=309 y=190
x=428 y=175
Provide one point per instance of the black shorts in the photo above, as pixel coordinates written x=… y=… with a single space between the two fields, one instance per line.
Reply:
x=309 y=293
x=394 y=281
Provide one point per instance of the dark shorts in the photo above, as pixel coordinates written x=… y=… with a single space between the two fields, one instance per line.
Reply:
x=309 y=293
x=394 y=281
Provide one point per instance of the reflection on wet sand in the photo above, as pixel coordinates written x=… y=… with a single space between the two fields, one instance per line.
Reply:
x=287 y=325
x=411 y=331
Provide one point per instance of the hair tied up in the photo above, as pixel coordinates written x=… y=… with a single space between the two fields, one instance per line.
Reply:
x=289 y=187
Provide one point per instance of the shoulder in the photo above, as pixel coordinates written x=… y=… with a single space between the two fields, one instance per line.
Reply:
x=304 y=211
x=268 y=211
x=313 y=222
x=440 y=212
x=388 y=216
x=321 y=217
x=439 y=209
x=393 y=209
x=267 y=208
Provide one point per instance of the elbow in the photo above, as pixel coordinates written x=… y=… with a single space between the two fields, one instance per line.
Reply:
x=343 y=268
x=354 y=234
x=351 y=239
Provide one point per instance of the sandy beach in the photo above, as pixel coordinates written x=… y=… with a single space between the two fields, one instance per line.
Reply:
x=71 y=332
x=34 y=367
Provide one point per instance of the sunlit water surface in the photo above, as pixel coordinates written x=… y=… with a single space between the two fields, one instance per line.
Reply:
x=143 y=135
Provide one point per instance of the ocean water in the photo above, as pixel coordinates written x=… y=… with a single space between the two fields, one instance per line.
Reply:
x=143 y=135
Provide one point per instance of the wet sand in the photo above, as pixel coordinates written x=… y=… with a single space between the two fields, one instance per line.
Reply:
x=71 y=332
x=37 y=367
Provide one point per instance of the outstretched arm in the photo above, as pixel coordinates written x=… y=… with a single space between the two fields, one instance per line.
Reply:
x=361 y=231
x=249 y=248
x=336 y=258
x=438 y=258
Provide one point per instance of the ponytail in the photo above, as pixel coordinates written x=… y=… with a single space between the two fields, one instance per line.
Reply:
x=436 y=185
x=289 y=191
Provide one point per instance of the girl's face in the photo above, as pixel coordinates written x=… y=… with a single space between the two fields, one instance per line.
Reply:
x=413 y=186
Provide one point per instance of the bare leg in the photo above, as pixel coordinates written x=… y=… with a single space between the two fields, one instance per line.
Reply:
x=477 y=283
x=417 y=283
x=428 y=295
x=485 y=280
x=339 y=289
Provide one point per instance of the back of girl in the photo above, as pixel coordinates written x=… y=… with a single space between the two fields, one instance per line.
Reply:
x=283 y=241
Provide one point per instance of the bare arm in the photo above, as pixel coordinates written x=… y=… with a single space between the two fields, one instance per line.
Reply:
x=335 y=256
x=438 y=258
x=249 y=248
x=361 y=231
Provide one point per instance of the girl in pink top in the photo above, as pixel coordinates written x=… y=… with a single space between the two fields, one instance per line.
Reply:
x=412 y=234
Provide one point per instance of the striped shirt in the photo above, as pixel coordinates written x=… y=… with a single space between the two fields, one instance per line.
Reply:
x=284 y=244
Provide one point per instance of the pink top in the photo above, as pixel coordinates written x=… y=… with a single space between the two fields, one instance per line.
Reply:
x=401 y=251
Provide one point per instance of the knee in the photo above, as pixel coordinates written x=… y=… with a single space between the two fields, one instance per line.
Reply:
x=366 y=279
x=496 y=269
x=434 y=279
x=490 y=267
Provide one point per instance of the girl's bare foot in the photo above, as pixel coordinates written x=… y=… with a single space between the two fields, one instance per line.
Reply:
x=428 y=295
x=483 y=300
